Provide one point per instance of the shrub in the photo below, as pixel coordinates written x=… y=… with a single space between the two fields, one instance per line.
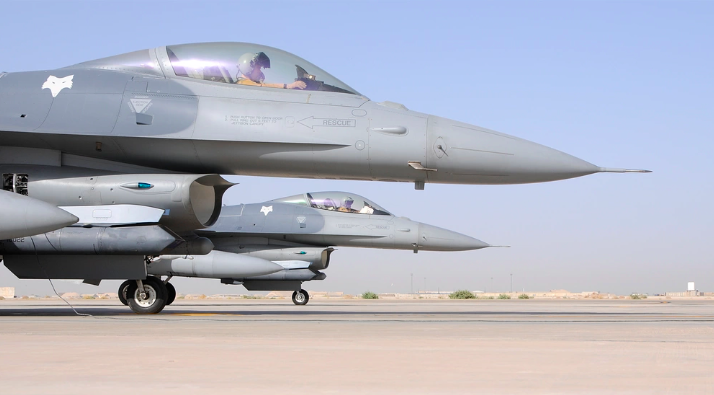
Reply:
x=462 y=294
x=504 y=296
x=370 y=295
x=638 y=296
x=523 y=296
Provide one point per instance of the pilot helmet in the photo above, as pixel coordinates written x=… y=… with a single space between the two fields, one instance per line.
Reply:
x=348 y=202
x=248 y=61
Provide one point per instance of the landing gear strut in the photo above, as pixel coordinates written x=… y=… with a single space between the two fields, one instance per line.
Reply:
x=148 y=296
x=301 y=297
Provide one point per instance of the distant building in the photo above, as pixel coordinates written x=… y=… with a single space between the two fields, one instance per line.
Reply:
x=682 y=294
x=691 y=291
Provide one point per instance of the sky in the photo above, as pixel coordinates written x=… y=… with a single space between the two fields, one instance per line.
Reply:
x=619 y=84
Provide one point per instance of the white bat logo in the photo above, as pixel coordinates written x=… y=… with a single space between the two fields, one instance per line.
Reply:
x=265 y=210
x=55 y=85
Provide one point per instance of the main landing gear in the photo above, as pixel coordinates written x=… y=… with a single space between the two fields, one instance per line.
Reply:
x=148 y=296
x=301 y=297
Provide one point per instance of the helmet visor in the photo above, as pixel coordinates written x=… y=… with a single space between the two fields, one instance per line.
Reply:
x=261 y=59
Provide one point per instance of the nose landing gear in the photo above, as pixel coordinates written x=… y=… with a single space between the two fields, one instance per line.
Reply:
x=156 y=292
x=146 y=297
x=301 y=297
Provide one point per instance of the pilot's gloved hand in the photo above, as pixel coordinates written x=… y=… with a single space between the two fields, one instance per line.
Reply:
x=297 y=85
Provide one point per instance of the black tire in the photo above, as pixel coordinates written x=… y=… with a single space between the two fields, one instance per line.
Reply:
x=122 y=291
x=301 y=297
x=171 y=293
x=156 y=296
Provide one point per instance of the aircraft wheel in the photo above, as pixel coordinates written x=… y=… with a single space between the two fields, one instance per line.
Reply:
x=154 y=300
x=301 y=298
x=122 y=292
x=171 y=293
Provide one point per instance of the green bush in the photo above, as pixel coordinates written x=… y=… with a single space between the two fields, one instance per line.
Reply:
x=523 y=296
x=485 y=297
x=370 y=295
x=504 y=296
x=638 y=296
x=462 y=294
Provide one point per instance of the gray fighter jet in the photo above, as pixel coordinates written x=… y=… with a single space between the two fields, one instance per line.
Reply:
x=278 y=245
x=110 y=139
x=237 y=108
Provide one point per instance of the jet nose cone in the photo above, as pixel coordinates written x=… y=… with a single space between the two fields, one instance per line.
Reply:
x=432 y=238
x=24 y=216
x=541 y=163
x=51 y=216
x=470 y=154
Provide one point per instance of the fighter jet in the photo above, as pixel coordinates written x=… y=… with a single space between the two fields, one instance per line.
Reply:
x=238 y=108
x=155 y=128
x=279 y=244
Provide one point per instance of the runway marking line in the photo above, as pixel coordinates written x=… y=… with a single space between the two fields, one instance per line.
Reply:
x=201 y=314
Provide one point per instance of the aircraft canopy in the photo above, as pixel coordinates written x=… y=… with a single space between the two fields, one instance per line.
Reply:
x=344 y=202
x=232 y=62
x=134 y=62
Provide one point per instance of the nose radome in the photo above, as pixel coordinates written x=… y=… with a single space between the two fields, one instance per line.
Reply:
x=539 y=162
x=473 y=155
x=432 y=238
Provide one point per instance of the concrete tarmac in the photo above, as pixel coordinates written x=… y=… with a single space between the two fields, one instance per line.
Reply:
x=360 y=347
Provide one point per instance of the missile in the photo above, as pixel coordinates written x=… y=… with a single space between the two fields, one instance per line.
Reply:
x=22 y=216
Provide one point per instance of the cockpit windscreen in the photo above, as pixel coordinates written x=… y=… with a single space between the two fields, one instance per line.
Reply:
x=251 y=65
x=343 y=202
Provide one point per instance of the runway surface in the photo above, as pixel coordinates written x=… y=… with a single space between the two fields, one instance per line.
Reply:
x=360 y=347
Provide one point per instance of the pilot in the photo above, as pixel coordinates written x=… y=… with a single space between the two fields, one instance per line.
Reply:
x=250 y=65
x=346 y=207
